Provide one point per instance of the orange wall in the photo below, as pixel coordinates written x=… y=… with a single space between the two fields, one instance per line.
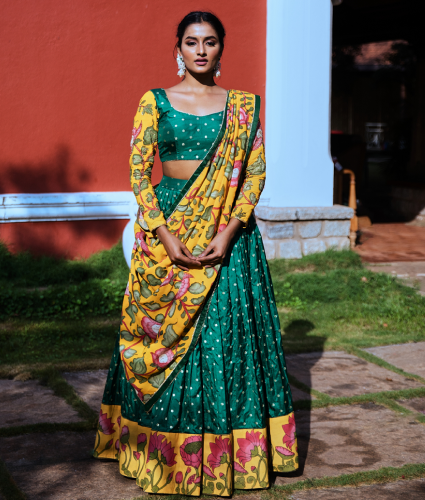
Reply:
x=73 y=73
x=70 y=239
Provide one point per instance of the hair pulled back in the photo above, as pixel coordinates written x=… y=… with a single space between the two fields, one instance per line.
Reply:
x=197 y=17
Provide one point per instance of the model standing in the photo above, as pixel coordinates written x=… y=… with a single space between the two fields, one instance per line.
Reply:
x=197 y=398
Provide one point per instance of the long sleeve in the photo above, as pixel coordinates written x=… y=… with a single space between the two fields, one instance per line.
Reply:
x=144 y=142
x=253 y=181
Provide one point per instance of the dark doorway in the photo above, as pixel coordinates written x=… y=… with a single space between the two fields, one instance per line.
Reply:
x=378 y=107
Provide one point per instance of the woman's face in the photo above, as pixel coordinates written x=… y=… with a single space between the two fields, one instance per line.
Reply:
x=200 y=48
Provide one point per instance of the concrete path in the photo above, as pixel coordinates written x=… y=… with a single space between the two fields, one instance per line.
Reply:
x=415 y=404
x=408 y=357
x=298 y=395
x=332 y=440
x=352 y=438
x=27 y=403
x=58 y=466
x=88 y=385
x=355 y=375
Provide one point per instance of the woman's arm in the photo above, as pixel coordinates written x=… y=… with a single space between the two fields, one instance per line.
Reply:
x=253 y=181
x=144 y=141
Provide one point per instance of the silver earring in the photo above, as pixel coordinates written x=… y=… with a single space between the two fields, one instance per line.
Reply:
x=217 y=69
x=181 y=65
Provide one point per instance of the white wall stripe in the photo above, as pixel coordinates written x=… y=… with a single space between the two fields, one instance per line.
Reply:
x=66 y=206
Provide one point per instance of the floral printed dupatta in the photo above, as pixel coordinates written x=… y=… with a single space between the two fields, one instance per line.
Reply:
x=164 y=307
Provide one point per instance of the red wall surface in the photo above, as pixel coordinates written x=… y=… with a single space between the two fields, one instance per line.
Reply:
x=73 y=73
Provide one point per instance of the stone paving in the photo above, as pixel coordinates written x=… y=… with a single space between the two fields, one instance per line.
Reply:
x=58 y=466
x=415 y=404
x=88 y=385
x=408 y=357
x=352 y=438
x=298 y=395
x=26 y=403
x=355 y=375
x=332 y=440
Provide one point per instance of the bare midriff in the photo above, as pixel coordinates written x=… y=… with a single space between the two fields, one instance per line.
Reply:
x=180 y=169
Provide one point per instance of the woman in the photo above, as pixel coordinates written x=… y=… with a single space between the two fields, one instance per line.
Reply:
x=197 y=397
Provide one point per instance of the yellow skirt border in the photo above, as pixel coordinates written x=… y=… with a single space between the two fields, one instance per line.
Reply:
x=188 y=464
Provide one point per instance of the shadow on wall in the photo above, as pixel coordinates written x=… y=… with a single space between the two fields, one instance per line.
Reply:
x=58 y=174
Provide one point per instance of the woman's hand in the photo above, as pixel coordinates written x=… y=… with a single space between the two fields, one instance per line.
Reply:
x=176 y=250
x=217 y=249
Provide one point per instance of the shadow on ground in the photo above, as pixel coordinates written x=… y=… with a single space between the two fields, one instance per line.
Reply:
x=300 y=328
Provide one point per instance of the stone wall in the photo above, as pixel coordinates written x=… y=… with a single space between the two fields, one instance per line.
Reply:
x=290 y=233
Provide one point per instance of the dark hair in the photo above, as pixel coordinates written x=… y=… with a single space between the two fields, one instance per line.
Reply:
x=198 y=17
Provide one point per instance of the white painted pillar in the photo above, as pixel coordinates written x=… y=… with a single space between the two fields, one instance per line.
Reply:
x=299 y=166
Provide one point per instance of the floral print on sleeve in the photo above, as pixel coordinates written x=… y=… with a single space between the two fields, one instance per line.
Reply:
x=143 y=145
x=253 y=181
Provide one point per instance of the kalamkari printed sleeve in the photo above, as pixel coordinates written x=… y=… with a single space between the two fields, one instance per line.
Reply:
x=253 y=180
x=144 y=142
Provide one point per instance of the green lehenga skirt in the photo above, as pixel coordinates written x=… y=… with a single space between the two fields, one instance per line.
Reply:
x=227 y=419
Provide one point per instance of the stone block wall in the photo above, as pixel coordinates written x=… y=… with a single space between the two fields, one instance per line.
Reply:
x=290 y=233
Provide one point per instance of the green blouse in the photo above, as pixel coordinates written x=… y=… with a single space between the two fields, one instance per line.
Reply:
x=183 y=136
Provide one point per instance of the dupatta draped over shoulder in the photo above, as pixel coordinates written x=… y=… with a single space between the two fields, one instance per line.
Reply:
x=164 y=307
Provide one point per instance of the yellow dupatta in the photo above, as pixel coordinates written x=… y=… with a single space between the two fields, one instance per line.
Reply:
x=164 y=307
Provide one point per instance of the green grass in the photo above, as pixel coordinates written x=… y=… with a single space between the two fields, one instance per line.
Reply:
x=25 y=270
x=91 y=298
x=27 y=342
x=327 y=327
x=340 y=305
x=319 y=262
x=344 y=304
x=40 y=288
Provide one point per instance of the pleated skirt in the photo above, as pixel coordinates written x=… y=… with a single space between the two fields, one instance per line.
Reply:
x=227 y=419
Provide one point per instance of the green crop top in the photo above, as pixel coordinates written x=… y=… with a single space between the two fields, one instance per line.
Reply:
x=183 y=136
